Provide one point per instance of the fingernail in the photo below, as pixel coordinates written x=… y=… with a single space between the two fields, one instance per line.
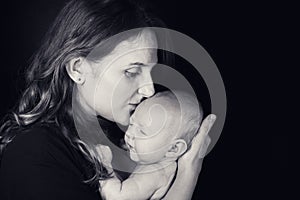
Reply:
x=213 y=117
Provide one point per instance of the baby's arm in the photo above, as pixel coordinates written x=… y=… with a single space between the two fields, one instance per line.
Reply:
x=137 y=186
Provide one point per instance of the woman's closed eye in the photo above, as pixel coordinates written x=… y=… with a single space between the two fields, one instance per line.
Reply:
x=132 y=72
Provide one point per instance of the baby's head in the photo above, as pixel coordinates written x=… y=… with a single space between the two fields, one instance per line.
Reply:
x=162 y=127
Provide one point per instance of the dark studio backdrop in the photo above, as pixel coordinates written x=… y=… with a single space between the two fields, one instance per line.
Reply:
x=236 y=168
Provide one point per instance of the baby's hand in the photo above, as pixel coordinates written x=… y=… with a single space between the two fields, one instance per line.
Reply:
x=105 y=155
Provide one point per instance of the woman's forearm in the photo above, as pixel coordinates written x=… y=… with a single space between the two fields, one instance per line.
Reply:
x=184 y=184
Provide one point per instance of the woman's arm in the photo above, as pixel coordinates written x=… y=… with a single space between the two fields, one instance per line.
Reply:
x=190 y=164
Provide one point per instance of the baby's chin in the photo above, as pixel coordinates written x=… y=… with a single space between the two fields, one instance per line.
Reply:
x=134 y=157
x=142 y=161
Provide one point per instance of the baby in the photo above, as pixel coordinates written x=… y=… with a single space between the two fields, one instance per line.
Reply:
x=159 y=132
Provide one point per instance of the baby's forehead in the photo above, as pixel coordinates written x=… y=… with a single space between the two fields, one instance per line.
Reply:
x=159 y=106
x=157 y=111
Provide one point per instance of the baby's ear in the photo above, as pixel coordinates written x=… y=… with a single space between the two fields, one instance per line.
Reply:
x=177 y=148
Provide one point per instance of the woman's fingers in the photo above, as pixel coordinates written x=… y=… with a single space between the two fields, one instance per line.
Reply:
x=204 y=128
x=204 y=147
x=201 y=140
x=199 y=145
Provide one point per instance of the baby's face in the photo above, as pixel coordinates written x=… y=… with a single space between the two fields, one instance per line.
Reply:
x=149 y=136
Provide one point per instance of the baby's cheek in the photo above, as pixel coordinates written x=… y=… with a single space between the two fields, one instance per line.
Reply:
x=142 y=146
x=152 y=153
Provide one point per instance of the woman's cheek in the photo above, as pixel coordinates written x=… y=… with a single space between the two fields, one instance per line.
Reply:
x=124 y=88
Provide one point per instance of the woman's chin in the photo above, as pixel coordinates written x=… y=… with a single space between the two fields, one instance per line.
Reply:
x=122 y=120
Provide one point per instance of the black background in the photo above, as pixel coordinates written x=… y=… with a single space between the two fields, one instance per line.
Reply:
x=245 y=39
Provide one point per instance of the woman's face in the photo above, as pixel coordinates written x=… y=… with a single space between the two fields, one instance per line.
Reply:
x=116 y=84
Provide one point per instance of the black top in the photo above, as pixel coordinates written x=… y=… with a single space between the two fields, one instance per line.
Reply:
x=41 y=164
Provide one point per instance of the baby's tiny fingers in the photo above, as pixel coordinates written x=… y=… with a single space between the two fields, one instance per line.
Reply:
x=104 y=149
x=104 y=153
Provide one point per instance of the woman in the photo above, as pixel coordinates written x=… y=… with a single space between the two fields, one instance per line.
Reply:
x=43 y=156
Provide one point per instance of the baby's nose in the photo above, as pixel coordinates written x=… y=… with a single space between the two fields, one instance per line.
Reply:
x=129 y=136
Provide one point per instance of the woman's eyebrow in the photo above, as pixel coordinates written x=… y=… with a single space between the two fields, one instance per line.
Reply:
x=138 y=63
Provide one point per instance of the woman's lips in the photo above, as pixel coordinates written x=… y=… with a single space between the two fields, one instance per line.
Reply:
x=133 y=104
x=132 y=108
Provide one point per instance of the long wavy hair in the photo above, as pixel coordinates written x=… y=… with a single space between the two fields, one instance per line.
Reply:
x=47 y=98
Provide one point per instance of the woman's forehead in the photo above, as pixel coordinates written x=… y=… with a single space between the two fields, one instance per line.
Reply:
x=130 y=56
x=141 y=49
x=128 y=47
x=143 y=40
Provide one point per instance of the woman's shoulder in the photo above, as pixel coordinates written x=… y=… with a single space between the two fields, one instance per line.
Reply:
x=34 y=138
x=43 y=142
x=45 y=161
x=40 y=132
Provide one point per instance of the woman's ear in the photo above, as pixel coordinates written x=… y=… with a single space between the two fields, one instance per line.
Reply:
x=177 y=148
x=75 y=70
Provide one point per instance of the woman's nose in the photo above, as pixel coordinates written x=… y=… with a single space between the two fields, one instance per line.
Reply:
x=147 y=90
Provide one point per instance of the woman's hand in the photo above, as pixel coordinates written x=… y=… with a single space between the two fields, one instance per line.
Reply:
x=189 y=165
x=194 y=156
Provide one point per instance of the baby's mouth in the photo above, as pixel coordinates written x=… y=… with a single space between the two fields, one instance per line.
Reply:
x=130 y=148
